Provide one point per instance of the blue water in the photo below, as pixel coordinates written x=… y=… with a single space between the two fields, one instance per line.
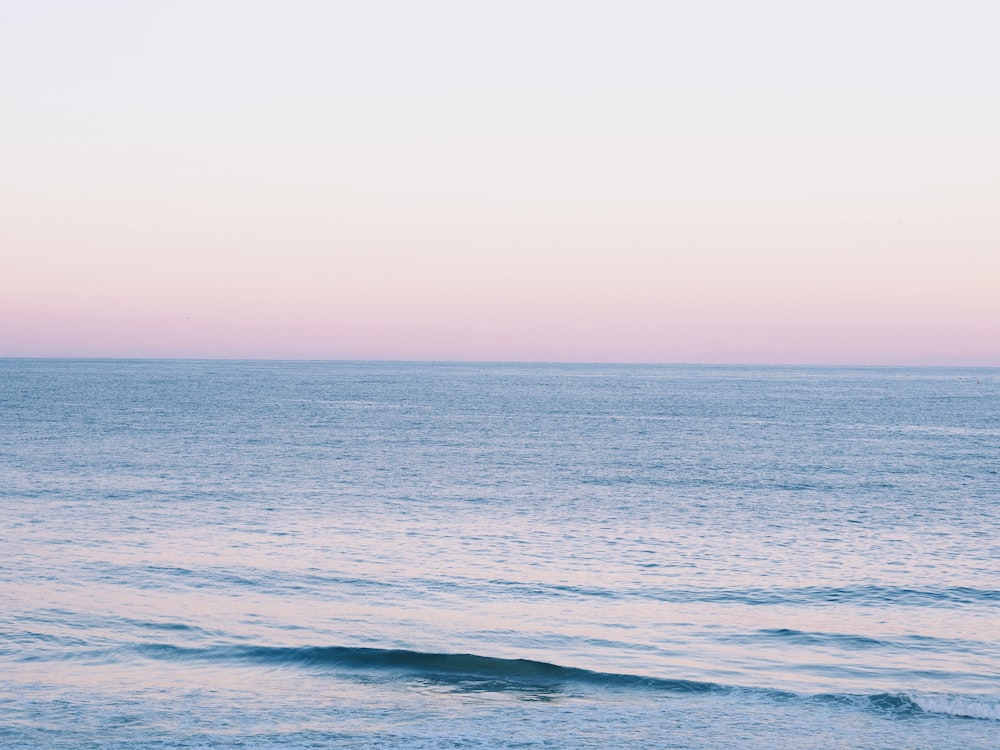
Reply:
x=289 y=554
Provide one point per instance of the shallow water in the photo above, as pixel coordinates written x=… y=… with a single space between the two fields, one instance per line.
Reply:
x=267 y=554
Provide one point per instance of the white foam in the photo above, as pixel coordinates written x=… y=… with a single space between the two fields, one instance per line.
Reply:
x=974 y=708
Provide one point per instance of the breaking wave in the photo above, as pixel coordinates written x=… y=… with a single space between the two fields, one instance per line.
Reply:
x=498 y=674
x=960 y=705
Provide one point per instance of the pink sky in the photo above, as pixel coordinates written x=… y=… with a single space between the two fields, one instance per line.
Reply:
x=537 y=183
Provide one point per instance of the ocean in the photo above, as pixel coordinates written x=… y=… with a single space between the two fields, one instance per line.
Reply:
x=243 y=554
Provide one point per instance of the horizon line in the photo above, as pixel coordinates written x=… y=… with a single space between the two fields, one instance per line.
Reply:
x=592 y=363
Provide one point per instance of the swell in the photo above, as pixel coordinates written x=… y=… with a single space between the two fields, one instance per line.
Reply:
x=854 y=642
x=267 y=581
x=475 y=672
x=869 y=595
x=457 y=667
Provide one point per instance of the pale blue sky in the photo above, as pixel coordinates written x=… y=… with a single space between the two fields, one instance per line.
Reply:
x=631 y=162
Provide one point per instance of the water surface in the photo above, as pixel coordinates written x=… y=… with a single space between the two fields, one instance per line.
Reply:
x=270 y=554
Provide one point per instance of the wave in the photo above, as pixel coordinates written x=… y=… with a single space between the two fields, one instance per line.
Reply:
x=850 y=641
x=959 y=706
x=465 y=672
x=262 y=580
x=859 y=595
x=865 y=595
x=458 y=667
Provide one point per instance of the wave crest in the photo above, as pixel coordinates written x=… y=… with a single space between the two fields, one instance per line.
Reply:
x=961 y=706
x=438 y=665
x=472 y=671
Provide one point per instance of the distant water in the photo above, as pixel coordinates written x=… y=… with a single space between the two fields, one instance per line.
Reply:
x=262 y=555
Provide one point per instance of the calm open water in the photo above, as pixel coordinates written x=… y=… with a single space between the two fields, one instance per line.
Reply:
x=288 y=554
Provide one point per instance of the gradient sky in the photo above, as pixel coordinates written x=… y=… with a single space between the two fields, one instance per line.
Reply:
x=779 y=182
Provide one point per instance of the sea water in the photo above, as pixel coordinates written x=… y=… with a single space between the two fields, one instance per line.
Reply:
x=206 y=554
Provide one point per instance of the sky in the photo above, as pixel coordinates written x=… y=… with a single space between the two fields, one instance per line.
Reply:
x=711 y=182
